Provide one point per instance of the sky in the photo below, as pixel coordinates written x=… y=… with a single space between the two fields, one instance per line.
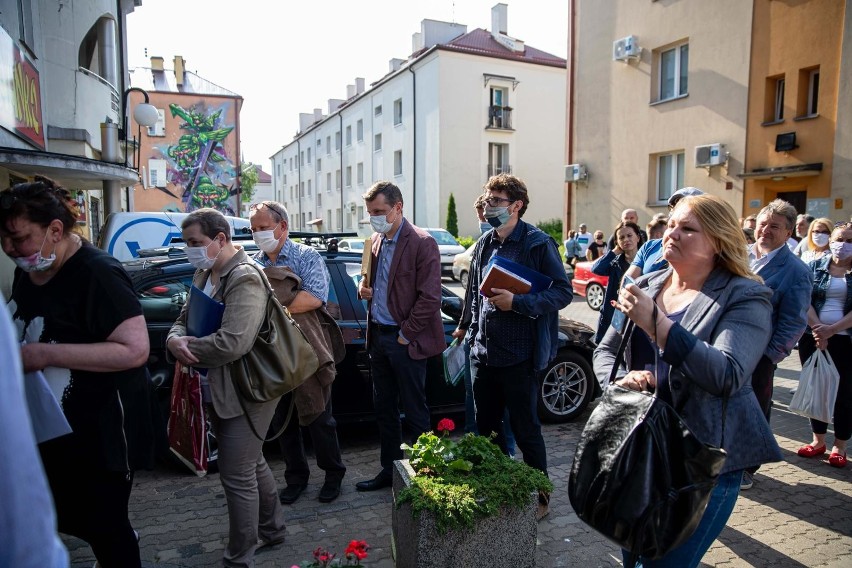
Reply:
x=290 y=56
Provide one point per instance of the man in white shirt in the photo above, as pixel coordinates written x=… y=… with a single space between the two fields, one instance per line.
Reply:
x=584 y=239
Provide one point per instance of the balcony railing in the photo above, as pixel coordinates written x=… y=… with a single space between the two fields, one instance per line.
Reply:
x=499 y=117
x=494 y=170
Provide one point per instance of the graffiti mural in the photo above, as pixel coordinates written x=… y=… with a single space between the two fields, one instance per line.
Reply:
x=199 y=163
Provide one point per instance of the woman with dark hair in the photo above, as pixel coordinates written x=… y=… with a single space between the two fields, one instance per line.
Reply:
x=225 y=273
x=83 y=326
x=701 y=325
x=613 y=265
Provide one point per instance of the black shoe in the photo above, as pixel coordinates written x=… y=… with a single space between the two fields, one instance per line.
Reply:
x=330 y=491
x=290 y=493
x=379 y=482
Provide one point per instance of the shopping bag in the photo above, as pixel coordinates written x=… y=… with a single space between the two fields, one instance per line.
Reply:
x=46 y=415
x=454 y=362
x=187 y=434
x=817 y=389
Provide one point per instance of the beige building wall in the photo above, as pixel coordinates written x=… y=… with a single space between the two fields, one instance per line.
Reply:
x=791 y=40
x=618 y=127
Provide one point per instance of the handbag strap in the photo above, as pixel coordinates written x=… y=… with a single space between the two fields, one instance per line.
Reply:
x=622 y=346
x=251 y=424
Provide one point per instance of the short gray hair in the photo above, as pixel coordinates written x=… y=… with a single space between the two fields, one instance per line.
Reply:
x=276 y=210
x=783 y=208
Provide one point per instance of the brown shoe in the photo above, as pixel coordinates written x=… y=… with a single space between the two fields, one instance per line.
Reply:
x=543 y=505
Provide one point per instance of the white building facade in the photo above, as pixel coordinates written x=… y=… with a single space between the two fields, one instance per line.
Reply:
x=464 y=106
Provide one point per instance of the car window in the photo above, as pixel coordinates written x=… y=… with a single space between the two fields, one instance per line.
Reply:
x=444 y=238
x=162 y=300
x=353 y=271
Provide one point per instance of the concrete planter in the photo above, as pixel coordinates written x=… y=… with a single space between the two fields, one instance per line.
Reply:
x=507 y=539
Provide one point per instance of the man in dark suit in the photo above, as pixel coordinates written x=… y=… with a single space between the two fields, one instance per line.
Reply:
x=790 y=281
x=405 y=327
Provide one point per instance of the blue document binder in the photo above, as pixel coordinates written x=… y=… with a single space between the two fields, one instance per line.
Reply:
x=537 y=280
x=204 y=314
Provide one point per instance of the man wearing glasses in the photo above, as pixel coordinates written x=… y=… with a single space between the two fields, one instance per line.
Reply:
x=270 y=231
x=514 y=335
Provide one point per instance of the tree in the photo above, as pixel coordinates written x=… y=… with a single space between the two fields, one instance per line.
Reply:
x=248 y=179
x=452 y=217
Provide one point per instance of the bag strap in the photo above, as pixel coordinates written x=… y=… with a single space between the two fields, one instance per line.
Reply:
x=619 y=355
x=251 y=424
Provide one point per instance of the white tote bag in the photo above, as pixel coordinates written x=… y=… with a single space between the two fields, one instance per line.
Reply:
x=817 y=389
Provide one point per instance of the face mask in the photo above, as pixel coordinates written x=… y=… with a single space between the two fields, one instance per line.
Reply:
x=820 y=239
x=36 y=262
x=841 y=250
x=197 y=257
x=484 y=227
x=380 y=223
x=265 y=240
x=497 y=216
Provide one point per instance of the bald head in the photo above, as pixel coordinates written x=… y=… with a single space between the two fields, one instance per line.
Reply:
x=629 y=216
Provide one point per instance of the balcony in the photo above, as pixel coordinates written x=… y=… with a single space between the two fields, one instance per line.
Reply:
x=500 y=117
x=494 y=170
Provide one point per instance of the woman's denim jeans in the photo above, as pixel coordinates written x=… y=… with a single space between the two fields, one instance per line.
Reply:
x=690 y=553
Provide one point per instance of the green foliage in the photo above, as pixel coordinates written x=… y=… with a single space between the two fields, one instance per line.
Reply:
x=466 y=241
x=488 y=481
x=248 y=179
x=452 y=217
x=552 y=227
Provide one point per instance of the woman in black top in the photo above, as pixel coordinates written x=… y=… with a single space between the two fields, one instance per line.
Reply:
x=82 y=323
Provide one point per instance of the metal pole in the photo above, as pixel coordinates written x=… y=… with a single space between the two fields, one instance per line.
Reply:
x=109 y=153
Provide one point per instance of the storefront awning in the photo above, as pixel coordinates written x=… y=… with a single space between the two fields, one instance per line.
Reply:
x=314 y=222
x=783 y=172
x=72 y=172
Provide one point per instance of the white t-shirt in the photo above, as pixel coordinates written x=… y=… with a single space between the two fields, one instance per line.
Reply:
x=584 y=240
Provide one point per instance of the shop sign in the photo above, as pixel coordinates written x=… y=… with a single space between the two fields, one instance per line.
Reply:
x=20 y=93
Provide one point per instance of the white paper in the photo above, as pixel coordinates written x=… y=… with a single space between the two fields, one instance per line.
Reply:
x=46 y=415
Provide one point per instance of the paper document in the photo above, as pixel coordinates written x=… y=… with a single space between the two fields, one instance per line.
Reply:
x=455 y=361
x=366 y=260
x=46 y=415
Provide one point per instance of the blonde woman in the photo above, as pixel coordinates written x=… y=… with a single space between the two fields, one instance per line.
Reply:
x=815 y=244
x=702 y=324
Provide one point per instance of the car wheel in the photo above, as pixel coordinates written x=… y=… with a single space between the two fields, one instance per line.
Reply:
x=463 y=278
x=566 y=387
x=595 y=296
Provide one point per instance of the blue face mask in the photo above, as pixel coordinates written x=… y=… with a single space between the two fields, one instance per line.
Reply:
x=484 y=227
x=497 y=216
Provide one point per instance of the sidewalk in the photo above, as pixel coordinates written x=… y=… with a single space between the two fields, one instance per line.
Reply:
x=799 y=512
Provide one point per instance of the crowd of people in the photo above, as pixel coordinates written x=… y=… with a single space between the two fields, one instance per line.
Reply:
x=710 y=317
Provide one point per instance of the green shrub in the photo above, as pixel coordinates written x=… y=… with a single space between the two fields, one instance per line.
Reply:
x=466 y=241
x=452 y=217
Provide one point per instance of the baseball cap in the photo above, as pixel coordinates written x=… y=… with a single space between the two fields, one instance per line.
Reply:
x=683 y=192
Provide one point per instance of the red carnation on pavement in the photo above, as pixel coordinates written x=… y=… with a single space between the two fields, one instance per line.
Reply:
x=446 y=425
x=358 y=549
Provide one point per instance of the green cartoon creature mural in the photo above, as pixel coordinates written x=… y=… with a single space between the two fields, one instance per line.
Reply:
x=199 y=163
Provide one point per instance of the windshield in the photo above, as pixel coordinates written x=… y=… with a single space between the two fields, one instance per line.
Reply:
x=444 y=238
x=354 y=245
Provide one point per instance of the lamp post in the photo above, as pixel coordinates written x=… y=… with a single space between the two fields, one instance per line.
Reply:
x=145 y=115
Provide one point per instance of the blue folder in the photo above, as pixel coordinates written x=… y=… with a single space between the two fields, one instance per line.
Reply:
x=537 y=280
x=203 y=315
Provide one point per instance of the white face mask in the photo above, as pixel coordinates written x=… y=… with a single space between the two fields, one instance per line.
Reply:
x=380 y=223
x=841 y=251
x=266 y=240
x=820 y=239
x=197 y=257
x=36 y=262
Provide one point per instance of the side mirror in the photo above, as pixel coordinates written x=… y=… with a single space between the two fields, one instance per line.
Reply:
x=452 y=306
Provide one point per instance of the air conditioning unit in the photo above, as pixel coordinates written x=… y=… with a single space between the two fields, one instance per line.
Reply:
x=351 y=207
x=710 y=155
x=626 y=48
x=575 y=172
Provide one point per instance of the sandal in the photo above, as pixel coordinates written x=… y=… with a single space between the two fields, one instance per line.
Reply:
x=809 y=451
x=837 y=459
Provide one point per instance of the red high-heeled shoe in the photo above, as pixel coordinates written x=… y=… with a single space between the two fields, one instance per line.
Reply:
x=837 y=459
x=809 y=451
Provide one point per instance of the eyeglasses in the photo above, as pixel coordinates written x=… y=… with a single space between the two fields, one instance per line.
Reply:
x=494 y=200
x=271 y=205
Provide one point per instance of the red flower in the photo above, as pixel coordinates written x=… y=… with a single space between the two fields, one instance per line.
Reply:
x=446 y=425
x=358 y=549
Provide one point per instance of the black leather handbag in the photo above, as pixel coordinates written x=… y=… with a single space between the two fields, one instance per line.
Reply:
x=640 y=477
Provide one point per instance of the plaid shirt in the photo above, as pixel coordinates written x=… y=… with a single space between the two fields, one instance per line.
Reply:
x=306 y=262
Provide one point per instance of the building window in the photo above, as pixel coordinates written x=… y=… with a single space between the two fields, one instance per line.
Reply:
x=309 y=188
x=278 y=170
x=669 y=175
x=328 y=182
x=328 y=145
x=808 y=103
x=498 y=159
x=337 y=141
x=319 y=145
x=377 y=111
x=673 y=71
x=159 y=129
x=359 y=131
x=499 y=112
x=291 y=164
x=360 y=173
x=397 y=163
x=348 y=135
x=775 y=99
x=377 y=142
x=348 y=176
x=337 y=179
x=285 y=179
x=319 y=164
x=309 y=155
x=301 y=159
x=397 y=112
x=301 y=189
x=319 y=198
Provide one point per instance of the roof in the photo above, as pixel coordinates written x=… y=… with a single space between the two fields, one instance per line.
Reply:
x=164 y=82
x=481 y=42
x=262 y=176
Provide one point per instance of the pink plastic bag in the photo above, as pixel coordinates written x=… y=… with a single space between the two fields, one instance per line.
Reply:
x=187 y=426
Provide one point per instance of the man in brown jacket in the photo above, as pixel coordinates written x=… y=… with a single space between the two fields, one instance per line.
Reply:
x=405 y=327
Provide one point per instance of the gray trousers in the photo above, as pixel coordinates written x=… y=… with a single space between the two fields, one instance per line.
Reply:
x=250 y=489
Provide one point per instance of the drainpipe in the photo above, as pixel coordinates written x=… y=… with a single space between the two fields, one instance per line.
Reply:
x=414 y=143
x=342 y=185
x=299 y=180
x=569 y=147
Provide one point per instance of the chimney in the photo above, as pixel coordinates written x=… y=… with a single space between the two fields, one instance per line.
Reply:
x=333 y=105
x=416 y=42
x=395 y=64
x=499 y=19
x=350 y=91
x=359 y=85
x=317 y=114
x=156 y=63
x=179 y=70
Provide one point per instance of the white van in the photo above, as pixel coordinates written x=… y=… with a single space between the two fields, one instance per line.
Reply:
x=125 y=233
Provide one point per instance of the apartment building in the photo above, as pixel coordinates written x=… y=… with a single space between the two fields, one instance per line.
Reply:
x=463 y=106
x=737 y=98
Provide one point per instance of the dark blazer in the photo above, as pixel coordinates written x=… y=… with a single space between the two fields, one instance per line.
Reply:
x=790 y=281
x=414 y=290
x=714 y=350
